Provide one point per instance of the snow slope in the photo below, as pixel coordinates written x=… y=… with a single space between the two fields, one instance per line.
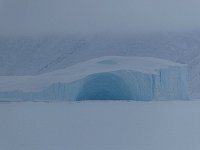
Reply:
x=36 y=55
x=104 y=78
x=100 y=126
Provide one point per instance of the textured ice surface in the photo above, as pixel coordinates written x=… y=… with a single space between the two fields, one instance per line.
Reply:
x=104 y=78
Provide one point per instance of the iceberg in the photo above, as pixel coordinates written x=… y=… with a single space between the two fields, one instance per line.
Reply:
x=104 y=78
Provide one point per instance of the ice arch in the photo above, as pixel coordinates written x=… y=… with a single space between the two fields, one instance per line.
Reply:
x=104 y=86
x=110 y=77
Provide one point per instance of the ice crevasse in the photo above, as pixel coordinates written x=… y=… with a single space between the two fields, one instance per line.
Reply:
x=104 y=78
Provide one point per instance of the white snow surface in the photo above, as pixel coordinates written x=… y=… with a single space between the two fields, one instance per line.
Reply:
x=104 y=125
x=118 y=77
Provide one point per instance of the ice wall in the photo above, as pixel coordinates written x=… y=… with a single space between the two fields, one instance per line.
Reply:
x=165 y=83
x=168 y=84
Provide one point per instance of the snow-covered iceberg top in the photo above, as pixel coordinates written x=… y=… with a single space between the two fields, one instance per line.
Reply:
x=114 y=77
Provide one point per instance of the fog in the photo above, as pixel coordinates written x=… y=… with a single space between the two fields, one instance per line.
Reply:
x=93 y=16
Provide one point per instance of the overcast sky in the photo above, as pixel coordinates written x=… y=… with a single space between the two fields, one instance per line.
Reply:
x=91 y=16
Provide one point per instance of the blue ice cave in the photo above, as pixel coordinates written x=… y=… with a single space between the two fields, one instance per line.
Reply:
x=104 y=86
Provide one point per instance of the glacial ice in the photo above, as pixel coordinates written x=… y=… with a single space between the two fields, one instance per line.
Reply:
x=104 y=78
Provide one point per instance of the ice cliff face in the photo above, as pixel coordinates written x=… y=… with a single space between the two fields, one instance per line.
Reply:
x=104 y=78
